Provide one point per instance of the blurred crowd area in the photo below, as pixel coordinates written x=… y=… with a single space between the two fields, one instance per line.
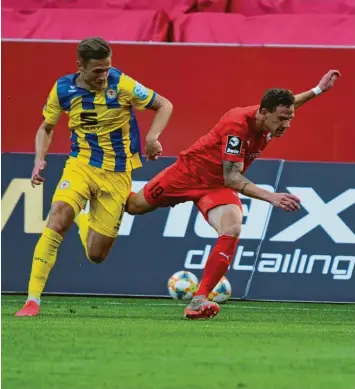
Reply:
x=247 y=22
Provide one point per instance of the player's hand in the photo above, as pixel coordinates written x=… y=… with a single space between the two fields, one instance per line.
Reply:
x=153 y=149
x=286 y=201
x=36 y=178
x=328 y=80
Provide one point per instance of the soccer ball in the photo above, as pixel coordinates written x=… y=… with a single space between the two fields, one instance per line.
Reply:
x=182 y=285
x=221 y=292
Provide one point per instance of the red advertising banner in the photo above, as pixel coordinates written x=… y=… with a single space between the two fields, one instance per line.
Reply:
x=203 y=82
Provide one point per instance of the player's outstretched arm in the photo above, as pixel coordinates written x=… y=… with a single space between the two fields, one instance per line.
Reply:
x=325 y=84
x=43 y=140
x=233 y=178
x=163 y=108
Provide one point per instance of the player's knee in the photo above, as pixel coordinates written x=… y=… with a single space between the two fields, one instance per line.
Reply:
x=98 y=246
x=232 y=229
x=231 y=225
x=97 y=257
x=96 y=253
x=61 y=217
x=133 y=207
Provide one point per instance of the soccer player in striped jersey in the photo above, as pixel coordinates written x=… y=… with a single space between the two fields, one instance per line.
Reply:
x=105 y=148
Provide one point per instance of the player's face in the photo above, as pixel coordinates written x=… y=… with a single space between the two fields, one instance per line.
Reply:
x=279 y=121
x=95 y=72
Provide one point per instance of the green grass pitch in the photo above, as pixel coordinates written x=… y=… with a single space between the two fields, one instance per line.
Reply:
x=106 y=343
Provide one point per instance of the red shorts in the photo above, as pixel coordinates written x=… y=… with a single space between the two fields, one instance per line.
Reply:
x=171 y=187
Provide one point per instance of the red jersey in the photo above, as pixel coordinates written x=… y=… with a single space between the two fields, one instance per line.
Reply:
x=234 y=138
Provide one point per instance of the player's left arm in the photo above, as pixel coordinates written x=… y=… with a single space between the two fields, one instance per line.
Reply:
x=142 y=98
x=234 y=178
x=324 y=84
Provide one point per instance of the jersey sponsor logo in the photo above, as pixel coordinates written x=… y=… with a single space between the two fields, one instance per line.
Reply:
x=64 y=184
x=234 y=145
x=111 y=93
x=88 y=119
x=140 y=91
x=72 y=89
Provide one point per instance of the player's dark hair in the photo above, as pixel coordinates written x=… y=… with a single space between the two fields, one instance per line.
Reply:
x=93 y=48
x=276 y=96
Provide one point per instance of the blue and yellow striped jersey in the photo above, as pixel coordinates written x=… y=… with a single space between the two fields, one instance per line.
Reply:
x=104 y=129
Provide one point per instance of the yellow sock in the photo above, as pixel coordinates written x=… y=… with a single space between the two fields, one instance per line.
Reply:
x=44 y=258
x=82 y=220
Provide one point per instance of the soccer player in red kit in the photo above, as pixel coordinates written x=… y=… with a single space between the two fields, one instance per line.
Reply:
x=211 y=173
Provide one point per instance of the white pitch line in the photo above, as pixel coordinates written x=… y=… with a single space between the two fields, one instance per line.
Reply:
x=234 y=306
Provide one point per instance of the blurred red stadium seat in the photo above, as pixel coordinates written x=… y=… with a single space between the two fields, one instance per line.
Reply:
x=212 y=5
x=171 y=7
x=23 y=4
x=76 y=4
x=80 y=23
x=34 y=4
x=263 y=7
x=267 y=29
x=311 y=22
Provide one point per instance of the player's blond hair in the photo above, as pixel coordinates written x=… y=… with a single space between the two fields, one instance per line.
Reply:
x=93 y=48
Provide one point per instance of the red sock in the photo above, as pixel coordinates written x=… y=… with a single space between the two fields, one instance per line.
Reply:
x=217 y=264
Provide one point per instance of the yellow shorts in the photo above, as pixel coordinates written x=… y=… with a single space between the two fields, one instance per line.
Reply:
x=106 y=190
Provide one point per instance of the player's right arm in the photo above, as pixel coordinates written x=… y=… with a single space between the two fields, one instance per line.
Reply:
x=51 y=114
x=233 y=178
x=234 y=141
x=324 y=85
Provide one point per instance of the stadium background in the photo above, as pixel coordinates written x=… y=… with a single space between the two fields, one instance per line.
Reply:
x=206 y=57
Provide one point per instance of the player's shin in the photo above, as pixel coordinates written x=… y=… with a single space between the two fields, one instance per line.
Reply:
x=44 y=258
x=217 y=264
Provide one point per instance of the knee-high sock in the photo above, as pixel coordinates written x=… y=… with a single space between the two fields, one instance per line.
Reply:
x=44 y=258
x=217 y=264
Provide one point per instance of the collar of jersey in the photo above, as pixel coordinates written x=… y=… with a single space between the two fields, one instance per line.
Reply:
x=76 y=75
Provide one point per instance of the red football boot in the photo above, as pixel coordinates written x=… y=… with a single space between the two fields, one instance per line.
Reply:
x=201 y=308
x=31 y=308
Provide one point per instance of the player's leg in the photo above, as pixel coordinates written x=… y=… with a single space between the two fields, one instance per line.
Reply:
x=67 y=202
x=98 y=230
x=97 y=245
x=163 y=190
x=137 y=204
x=99 y=227
x=226 y=219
